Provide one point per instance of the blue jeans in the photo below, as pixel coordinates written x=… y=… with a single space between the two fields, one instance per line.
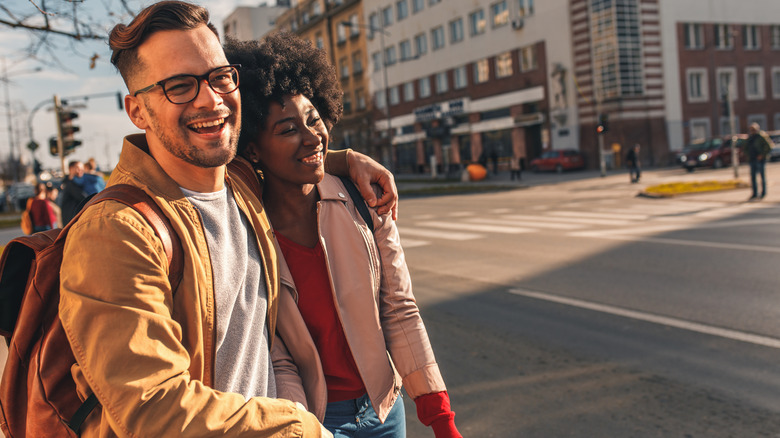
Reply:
x=357 y=419
x=757 y=168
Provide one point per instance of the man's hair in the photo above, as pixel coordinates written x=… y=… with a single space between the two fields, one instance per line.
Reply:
x=124 y=40
x=282 y=64
x=73 y=163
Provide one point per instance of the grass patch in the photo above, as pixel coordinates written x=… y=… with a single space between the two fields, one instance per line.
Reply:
x=682 y=188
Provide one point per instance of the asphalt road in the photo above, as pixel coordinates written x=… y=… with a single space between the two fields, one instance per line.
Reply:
x=581 y=310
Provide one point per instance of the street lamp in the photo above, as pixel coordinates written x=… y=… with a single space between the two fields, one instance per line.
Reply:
x=382 y=32
x=11 y=143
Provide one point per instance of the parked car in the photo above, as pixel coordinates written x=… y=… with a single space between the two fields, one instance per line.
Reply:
x=558 y=160
x=774 y=155
x=17 y=194
x=713 y=152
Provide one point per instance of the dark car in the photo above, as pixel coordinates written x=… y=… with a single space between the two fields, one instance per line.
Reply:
x=774 y=155
x=558 y=160
x=713 y=152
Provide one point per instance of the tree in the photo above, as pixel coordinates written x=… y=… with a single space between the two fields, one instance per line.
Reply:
x=57 y=26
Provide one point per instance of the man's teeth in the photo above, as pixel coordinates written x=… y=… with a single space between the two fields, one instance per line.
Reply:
x=208 y=124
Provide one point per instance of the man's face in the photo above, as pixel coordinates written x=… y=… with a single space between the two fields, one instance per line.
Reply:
x=76 y=170
x=204 y=132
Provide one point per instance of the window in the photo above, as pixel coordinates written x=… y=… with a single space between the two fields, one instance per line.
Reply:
x=726 y=83
x=360 y=96
x=341 y=32
x=481 y=71
x=526 y=7
x=697 y=85
x=379 y=99
x=477 y=22
x=409 y=91
x=751 y=39
x=775 y=36
x=305 y=17
x=421 y=44
x=394 y=99
x=617 y=47
x=459 y=77
x=694 y=36
x=357 y=63
x=417 y=6
x=528 y=58
x=318 y=41
x=406 y=50
x=437 y=37
x=499 y=13
x=700 y=129
x=723 y=37
x=347 y=100
x=754 y=83
x=373 y=23
x=442 y=85
x=504 y=65
x=456 y=31
x=425 y=87
x=776 y=82
x=354 y=28
x=376 y=59
x=315 y=9
x=390 y=58
x=433 y=2
x=344 y=67
x=387 y=16
x=401 y=9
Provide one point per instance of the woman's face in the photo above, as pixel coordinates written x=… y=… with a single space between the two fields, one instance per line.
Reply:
x=291 y=146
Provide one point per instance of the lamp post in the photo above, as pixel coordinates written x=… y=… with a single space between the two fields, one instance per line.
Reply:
x=382 y=32
x=11 y=141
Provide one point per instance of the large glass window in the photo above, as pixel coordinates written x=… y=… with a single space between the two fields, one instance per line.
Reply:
x=421 y=44
x=481 y=71
x=477 y=22
x=499 y=13
x=456 y=31
x=617 y=48
x=437 y=37
x=442 y=84
x=390 y=57
x=504 y=65
x=697 y=85
x=394 y=97
x=693 y=36
x=409 y=91
x=459 y=77
x=387 y=16
x=425 y=87
x=417 y=6
x=751 y=38
x=754 y=83
x=402 y=9
x=406 y=50
x=525 y=7
x=723 y=37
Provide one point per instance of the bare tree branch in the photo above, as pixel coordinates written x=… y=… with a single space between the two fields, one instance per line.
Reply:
x=76 y=36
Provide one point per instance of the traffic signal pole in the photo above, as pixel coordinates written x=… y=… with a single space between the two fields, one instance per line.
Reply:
x=734 y=154
x=60 y=142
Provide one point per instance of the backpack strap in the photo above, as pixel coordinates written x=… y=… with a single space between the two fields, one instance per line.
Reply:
x=360 y=203
x=141 y=202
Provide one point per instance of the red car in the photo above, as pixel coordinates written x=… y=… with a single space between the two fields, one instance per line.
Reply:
x=558 y=160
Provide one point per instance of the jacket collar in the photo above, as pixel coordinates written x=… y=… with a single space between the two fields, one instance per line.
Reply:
x=332 y=189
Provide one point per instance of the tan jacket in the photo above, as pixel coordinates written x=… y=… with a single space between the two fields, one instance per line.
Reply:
x=373 y=295
x=147 y=352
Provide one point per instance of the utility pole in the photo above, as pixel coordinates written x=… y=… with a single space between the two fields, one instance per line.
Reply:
x=733 y=128
x=60 y=145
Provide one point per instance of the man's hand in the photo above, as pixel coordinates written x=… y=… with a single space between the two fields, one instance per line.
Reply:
x=364 y=171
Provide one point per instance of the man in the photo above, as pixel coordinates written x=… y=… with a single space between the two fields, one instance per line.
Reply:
x=632 y=161
x=192 y=361
x=757 y=148
x=72 y=191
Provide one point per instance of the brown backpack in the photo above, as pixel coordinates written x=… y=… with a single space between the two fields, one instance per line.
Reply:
x=38 y=396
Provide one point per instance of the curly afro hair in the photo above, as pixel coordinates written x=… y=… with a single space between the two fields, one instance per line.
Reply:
x=282 y=64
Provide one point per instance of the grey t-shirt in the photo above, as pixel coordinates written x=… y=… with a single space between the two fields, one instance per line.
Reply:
x=243 y=363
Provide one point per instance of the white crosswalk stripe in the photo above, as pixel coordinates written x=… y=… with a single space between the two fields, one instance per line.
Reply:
x=408 y=231
x=481 y=228
x=535 y=224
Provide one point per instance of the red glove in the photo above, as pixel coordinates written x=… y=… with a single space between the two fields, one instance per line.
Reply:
x=434 y=410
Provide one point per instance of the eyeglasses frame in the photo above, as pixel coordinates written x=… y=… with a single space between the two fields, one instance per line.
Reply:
x=198 y=80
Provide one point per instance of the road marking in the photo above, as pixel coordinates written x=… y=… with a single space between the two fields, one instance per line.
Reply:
x=480 y=228
x=449 y=235
x=538 y=224
x=610 y=215
x=569 y=219
x=736 y=335
x=461 y=213
x=662 y=240
x=412 y=243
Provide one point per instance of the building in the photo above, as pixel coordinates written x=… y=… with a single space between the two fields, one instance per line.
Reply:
x=335 y=26
x=252 y=23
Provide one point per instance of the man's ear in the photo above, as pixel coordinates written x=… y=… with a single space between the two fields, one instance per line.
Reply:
x=136 y=111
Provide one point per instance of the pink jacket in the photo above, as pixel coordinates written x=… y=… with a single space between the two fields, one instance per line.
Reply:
x=373 y=296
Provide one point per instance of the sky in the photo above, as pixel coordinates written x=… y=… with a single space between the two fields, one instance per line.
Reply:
x=102 y=123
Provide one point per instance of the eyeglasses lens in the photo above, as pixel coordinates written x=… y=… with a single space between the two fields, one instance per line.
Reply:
x=184 y=89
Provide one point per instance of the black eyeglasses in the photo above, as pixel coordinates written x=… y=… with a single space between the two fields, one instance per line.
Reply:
x=183 y=89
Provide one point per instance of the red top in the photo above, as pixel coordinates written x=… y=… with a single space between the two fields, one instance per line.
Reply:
x=317 y=306
x=41 y=213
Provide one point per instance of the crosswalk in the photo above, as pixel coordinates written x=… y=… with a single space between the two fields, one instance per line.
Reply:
x=604 y=219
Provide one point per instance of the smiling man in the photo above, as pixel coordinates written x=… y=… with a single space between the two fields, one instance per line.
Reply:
x=193 y=361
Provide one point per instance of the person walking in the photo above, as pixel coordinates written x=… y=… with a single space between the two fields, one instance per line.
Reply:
x=346 y=293
x=632 y=161
x=758 y=147
x=42 y=215
x=72 y=191
x=516 y=169
x=194 y=361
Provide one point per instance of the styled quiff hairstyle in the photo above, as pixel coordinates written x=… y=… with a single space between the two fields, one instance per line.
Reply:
x=280 y=65
x=124 y=40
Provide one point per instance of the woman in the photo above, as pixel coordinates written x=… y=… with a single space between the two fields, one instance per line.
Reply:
x=42 y=215
x=346 y=298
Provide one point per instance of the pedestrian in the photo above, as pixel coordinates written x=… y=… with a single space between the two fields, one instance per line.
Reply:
x=42 y=215
x=51 y=197
x=194 y=361
x=758 y=147
x=92 y=181
x=72 y=191
x=632 y=161
x=346 y=294
x=516 y=169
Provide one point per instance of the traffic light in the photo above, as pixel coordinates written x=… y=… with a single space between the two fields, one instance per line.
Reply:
x=603 y=125
x=66 y=127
